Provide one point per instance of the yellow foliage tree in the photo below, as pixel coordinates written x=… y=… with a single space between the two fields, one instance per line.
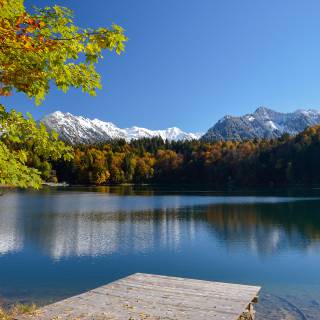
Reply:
x=37 y=49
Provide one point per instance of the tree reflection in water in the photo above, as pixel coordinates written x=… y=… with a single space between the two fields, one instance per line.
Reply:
x=71 y=241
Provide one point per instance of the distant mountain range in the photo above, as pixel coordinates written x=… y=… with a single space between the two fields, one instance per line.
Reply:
x=262 y=123
x=78 y=130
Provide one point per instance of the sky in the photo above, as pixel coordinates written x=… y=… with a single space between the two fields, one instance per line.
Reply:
x=189 y=63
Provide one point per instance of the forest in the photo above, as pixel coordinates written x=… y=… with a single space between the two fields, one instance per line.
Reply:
x=30 y=155
x=279 y=162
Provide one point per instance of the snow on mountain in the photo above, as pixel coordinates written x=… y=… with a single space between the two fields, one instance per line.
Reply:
x=77 y=130
x=263 y=123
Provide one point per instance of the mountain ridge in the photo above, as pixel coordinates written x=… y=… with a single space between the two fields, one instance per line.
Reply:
x=262 y=123
x=81 y=130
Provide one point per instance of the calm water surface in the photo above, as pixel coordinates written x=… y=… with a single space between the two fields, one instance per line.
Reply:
x=57 y=243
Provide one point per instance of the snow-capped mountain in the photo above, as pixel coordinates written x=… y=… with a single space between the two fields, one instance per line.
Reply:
x=78 y=130
x=263 y=123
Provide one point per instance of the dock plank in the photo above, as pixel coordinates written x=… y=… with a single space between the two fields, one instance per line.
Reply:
x=153 y=297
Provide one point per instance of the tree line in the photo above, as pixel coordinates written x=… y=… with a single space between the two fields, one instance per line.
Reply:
x=276 y=162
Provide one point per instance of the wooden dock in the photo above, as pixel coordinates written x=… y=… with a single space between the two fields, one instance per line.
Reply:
x=152 y=297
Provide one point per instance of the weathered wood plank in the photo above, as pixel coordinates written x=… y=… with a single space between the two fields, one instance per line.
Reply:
x=174 y=297
x=187 y=287
x=188 y=283
x=151 y=297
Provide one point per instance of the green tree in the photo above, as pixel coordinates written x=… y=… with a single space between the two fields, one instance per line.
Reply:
x=46 y=46
x=22 y=140
x=38 y=49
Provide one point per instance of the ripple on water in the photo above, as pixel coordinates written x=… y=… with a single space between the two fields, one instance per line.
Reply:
x=287 y=307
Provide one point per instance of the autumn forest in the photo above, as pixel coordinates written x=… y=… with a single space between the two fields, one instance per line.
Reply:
x=279 y=162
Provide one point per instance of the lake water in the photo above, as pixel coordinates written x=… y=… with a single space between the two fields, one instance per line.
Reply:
x=57 y=243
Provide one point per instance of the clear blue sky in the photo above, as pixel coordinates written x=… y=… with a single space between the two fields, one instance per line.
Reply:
x=188 y=63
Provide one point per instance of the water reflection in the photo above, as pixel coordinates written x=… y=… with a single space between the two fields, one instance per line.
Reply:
x=11 y=239
x=101 y=234
x=55 y=244
x=66 y=225
x=267 y=229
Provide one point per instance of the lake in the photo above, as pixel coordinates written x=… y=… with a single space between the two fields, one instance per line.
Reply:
x=55 y=243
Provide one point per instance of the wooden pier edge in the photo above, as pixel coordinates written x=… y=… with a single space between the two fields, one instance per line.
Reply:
x=154 y=297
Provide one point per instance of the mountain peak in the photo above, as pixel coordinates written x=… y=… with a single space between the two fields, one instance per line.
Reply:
x=57 y=113
x=263 y=110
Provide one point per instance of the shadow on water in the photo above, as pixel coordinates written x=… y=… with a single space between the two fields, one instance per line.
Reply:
x=57 y=243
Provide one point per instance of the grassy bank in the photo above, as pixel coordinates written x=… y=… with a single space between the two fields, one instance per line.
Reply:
x=16 y=310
